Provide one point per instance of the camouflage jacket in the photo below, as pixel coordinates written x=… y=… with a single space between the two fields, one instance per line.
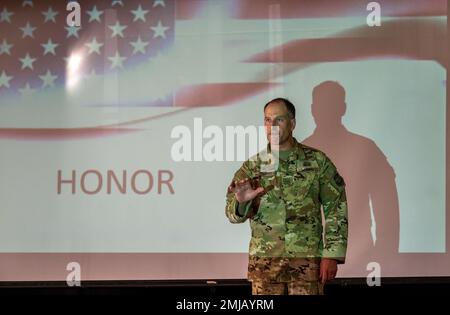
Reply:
x=286 y=221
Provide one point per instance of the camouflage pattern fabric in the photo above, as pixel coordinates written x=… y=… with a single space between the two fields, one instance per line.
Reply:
x=286 y=222
x=287 y=288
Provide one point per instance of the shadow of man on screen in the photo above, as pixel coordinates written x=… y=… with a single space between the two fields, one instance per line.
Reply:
x=373 y=207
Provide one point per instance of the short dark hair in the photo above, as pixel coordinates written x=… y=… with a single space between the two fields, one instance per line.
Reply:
x=289 y=106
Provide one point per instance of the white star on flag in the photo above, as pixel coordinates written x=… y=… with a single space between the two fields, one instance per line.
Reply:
x=117 y=29
x=139 y=46
x=94 y=46
x=4 y=79
x=50 y=15
x=117 y=2
x=94 y=14
x=26 y=90
x=72 y=31
x=117 y=61
x=5 y=15
x=139 y=14
x=5 y=48
x=159 y=2
x=28 y=30
x=49 y=47
x=27 y=62
x=25 y=3
x=159 y=30
x=48 y=79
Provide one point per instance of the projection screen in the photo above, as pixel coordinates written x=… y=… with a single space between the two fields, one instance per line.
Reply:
x=106 y=130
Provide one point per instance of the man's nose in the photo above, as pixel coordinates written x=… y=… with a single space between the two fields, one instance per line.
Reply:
x=274 y=130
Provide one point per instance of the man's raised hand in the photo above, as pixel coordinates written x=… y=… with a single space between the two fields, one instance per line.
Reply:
x=243 y=190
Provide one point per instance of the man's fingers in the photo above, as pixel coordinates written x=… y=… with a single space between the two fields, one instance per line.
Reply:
x=243 y=184
x=243 y=181
x=259 y=190
x=324 y=277
x=237 y=185
x=232 y=187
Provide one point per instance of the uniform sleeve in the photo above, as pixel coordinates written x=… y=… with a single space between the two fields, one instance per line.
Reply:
x=235 y=212
x=334 y=202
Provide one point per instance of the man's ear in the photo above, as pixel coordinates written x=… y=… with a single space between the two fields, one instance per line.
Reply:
x=293 y=122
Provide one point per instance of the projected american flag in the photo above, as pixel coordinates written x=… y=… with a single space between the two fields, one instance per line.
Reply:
x=191 y=53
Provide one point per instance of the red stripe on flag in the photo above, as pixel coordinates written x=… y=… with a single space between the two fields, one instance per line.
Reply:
x=59 y=133
x=289 y=9
x=78 y=133
x=394 y=39
x=188 y=9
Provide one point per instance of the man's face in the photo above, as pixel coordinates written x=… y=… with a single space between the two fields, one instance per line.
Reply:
x=277 y=115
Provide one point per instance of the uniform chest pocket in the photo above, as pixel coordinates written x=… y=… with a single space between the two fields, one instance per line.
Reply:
x=298 y=185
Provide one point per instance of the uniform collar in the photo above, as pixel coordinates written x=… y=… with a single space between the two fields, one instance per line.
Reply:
x=297 y=152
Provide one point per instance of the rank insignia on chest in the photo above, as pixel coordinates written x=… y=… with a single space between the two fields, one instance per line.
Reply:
x=305 y=165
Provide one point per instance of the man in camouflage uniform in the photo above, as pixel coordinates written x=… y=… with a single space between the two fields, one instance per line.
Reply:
x=290 y=252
